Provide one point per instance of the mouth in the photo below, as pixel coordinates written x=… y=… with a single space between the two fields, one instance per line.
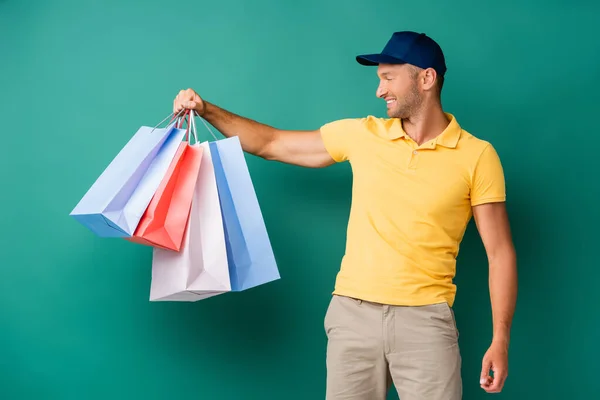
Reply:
x=390 y=102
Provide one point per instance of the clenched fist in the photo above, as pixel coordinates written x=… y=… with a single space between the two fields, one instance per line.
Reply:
x=188 y=99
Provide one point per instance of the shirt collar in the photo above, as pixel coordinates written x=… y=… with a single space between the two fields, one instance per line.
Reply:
x=448 y=138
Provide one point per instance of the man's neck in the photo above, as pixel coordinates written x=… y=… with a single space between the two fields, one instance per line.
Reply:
x=426 y=125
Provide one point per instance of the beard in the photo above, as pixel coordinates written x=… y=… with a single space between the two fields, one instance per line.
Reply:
x=409 y=105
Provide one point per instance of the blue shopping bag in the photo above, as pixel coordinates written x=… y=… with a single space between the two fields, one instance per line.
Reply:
x=115 y=203
x=249 y=253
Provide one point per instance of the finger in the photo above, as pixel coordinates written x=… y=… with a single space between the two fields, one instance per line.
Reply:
x=492 y=386
x=177 y=102
x=487 y=381
x=498 y=381
x=189 y=105
x=486 y=385
x=177 y=107
x=485 y=372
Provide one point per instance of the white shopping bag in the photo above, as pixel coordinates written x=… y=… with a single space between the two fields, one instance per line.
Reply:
x=200 y=269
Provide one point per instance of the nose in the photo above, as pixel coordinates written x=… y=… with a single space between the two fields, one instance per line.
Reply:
x=380 y=91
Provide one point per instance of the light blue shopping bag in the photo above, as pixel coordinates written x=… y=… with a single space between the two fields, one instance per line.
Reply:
x=115 y=203
x=250 y=256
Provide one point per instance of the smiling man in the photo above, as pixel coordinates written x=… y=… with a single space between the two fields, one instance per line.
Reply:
x=418 y=178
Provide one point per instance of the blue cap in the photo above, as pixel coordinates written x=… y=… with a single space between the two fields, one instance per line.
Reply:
x=408 y=47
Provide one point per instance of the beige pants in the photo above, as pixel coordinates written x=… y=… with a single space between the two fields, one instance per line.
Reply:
x=372 y=346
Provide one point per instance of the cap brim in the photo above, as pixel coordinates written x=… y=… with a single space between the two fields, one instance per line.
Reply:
x=376 y=59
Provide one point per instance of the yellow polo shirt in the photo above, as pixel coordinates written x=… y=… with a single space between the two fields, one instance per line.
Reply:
x=410 y=207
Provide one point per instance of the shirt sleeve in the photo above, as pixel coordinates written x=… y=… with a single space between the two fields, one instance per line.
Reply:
x=340 y=137
x=488 y=183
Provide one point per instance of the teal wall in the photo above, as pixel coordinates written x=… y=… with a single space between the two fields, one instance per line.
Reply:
x=77 y=78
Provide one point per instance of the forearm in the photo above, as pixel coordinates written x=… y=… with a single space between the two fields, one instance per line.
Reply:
x=254 y=136
x=302 y=148
x=503 y=294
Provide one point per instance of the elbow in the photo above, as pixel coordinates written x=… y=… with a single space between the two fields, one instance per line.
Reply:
x=504 y=257
x=268 y=150
x=501 y=251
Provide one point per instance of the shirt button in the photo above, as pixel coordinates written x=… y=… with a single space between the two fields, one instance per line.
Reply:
x=415 y=152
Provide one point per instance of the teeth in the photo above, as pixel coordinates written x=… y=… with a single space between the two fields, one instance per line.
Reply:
x=390 y=101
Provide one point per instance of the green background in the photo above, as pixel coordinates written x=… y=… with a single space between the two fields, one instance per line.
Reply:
x=77 y=79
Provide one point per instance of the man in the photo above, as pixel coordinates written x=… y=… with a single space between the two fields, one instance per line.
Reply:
x=418 y=179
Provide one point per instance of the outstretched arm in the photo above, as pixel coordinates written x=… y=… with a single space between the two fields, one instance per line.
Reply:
x=303 y=148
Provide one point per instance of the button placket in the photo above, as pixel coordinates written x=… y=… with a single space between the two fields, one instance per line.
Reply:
x=416 y=153
x=414 y=157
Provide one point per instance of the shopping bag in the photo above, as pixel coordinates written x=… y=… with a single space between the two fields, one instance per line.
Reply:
x=165 y=220
x=250 y=255
x=114 y=204
x=199 y=270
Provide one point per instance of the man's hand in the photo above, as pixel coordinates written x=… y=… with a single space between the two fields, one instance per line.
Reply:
x=189 y=100
x=496 y=360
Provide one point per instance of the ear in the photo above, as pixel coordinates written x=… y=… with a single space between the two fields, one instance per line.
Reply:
x=428 y=77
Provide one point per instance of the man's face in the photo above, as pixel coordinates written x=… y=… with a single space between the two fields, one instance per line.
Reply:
x=398 y=87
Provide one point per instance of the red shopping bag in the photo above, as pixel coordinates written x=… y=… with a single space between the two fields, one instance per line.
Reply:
x=165 y=220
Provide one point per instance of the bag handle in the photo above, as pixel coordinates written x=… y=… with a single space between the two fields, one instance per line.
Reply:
x=192 y=124
x=189 y=122
x=193 y=119
x=173 y=117
x=180 y=123
x=180 y=120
